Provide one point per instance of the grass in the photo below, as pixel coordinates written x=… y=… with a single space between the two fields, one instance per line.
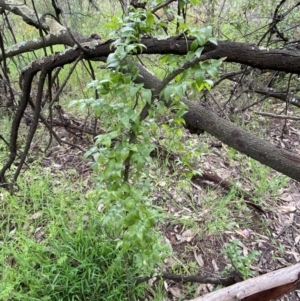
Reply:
x=52 y=241
x=54 y=247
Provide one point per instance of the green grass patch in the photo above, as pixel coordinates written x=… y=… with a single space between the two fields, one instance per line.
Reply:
x=54 y=246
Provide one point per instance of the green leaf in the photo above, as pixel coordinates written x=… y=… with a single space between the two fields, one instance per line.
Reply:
x=194 y=45
x=150 y=19
x=217 y=63
x=198 y=52
x=213 y=72
x=207 y=31
x=127 y=29
x=179 y=90
x=195 y=2
x=213 y=40
x=199 y=78
x=112 y=61
x=205 y=65
x=147 y=95
x=168 y=90
x=201 y=39
x=208 y=84
x=90 y=151
x=129 y=48
x=134 y=90
x=73 y=103
x=124 y=153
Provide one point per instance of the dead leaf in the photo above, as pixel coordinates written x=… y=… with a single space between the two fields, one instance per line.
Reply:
x=39 y=234
x=200 y=288
x=199 y=259
x=169 y=262
x=100 y=207
x=187 y=235
x=57 y=166
x=287 y=209
x=166 y=286
x=162 y=183
x=215 y=266
x=297 y=239
x=245 y=251
x=295 y=254
x=286 y=197
x=179 y=238
x=36 y=215
x=245 y=233
x=175 y=291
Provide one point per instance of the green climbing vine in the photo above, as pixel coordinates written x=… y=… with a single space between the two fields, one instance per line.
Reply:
x=128 y=111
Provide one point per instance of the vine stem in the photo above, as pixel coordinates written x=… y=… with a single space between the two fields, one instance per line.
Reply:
x=155 y=95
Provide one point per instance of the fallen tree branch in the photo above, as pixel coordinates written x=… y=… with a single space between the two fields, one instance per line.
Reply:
x=277 y=116
x=227 y=186
x=201 y=118
x=262 y=288
x=224 y=281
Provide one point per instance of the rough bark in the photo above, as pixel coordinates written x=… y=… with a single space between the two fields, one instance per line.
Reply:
x=281 y=160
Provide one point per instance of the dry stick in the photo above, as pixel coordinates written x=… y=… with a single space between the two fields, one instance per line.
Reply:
x=6 y=71
x=76 y=127
x=37 y=109
x=229 y=76
x=236 y=86
x=50 y=109
x=162 y=5
x=53 y=78
x=40 y=27
x=34 y=123
x=193 y=278
x=219 y=106
x=73 y=37
x=44 y=120
x=286 y=105
x=96 y=95
x=277 y=116
x=65 y=81
x=26 y=86
x=251 y=105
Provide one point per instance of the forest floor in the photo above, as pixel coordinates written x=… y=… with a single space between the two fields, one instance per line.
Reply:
x=237 y=216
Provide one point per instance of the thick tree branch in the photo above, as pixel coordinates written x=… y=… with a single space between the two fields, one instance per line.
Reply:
x=22 y=10
x=201 y=118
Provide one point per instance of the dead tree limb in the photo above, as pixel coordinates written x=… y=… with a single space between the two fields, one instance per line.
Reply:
x=199 y=117
x=266 y=287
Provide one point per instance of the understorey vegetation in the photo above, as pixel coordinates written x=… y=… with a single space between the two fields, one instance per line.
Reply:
x=149 y=149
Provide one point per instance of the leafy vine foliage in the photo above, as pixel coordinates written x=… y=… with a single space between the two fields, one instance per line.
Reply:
x=122 y=157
